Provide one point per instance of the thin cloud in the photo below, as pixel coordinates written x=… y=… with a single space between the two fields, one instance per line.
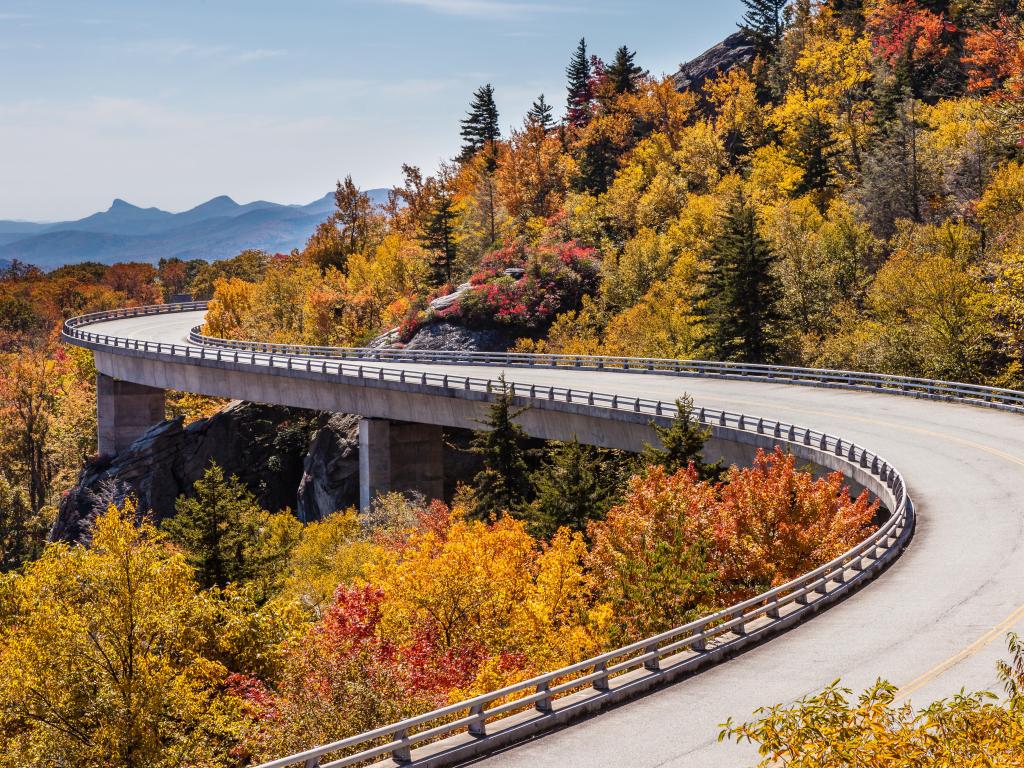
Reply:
x=494 y=9
x=186 y=49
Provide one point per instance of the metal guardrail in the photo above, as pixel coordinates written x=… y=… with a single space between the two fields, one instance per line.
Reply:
x=616 y=674
x=900 y=385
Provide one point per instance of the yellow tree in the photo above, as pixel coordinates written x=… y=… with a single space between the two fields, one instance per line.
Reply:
x=106 y=655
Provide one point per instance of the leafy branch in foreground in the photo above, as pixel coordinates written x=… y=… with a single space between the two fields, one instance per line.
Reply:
x=830 y=728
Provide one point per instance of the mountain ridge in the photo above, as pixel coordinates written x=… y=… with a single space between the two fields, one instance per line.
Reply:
x=217 y=228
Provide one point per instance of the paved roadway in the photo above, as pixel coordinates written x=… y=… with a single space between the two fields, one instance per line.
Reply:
x=933 y=623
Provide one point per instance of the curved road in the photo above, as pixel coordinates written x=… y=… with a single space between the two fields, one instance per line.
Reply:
x=932 y=623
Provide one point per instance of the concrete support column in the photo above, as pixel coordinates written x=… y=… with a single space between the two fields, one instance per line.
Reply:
x=124 y=411
x=399 y=456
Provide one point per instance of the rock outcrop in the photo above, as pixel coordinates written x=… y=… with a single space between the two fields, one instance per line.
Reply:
x=289 y=458
x=330 y=469
x=266 y=447
x=451 y=336
x=735 y=51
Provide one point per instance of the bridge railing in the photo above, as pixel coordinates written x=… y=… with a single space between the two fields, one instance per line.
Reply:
x=491 y=720
x=901 y=385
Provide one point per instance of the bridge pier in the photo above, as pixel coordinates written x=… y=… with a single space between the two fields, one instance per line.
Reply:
x=124 y=411
x=399 y=456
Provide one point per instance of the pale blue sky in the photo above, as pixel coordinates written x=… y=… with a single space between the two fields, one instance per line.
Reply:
x=171 y=103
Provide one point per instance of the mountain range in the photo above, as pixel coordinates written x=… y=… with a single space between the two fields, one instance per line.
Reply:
x=217 y=229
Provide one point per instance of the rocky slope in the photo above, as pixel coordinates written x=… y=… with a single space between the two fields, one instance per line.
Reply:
x=735 y=51
x=289 y=458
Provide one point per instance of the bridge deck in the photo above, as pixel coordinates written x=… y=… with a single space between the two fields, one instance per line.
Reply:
x=932 y=623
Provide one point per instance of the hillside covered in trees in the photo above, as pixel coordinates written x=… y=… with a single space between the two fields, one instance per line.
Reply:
x=850 y=198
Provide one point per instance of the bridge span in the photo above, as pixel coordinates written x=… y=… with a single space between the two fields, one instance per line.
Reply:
x=932 y=622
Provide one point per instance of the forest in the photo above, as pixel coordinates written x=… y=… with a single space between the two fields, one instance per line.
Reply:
x=851 y=197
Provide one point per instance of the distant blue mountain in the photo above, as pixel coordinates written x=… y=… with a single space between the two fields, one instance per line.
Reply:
x=216 y=229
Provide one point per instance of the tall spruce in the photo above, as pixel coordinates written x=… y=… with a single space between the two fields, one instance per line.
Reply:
x=580 y=88
x=739 y=304
x=480 y=128
x=623 y=73
x=214 y=527
x=540 y=114
x=765 y=23
x=439 y=239
x=576 y=484
x=682 y=444
x=813 y=153
x=503 y=484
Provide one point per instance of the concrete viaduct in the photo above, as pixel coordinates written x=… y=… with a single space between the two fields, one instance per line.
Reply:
x=932 y=623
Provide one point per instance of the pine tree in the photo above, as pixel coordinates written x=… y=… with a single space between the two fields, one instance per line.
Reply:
x=439 y=238
x=813 y=152
x=765 y=22
x=480 y=128
x=682 y=443
x=623 y=73
x=214 y=526
x=577 y=484
x=503 y=483
x=540 y=114
x=580 y=87
x=740 y=298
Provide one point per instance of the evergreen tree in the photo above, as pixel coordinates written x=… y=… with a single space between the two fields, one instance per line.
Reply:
x=577 y=484
x=813 y=152
x=22 y=532
x=765 y=22
x=503 y=483
x=214 y=526
x=623 y=73
x=894 y=184
x=439 y=238
x=580 y=87
x=540 y=114
x=740 y=298
x=598 y=163
x=480 y=128
x=682 y=444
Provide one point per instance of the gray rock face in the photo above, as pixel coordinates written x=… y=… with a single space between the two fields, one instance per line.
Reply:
x=735 y=51
x=330 y=470
x=456 y=338
x=264 y=446
x=288 y=457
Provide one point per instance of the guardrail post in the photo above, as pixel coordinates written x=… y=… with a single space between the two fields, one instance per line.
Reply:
x=478 y=727
x=772 y=612
x=601 y=683
x=402 y=754
x=543 y=705
x=699 y=643
x=313 y=762
x=741 y=628
x=654 y=664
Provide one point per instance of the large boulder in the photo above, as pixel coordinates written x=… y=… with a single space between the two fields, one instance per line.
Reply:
x=736 y=50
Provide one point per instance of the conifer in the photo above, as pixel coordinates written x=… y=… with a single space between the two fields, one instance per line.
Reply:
x=480 y=128
x=740 y=298
x=580 y=87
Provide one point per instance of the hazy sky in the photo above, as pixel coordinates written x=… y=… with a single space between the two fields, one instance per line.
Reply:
x=171 y=103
